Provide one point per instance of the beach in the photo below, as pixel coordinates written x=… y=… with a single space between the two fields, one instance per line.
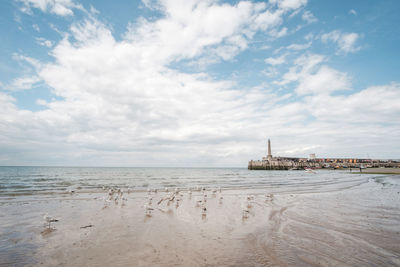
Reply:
x=354 y=223
x=380 y=170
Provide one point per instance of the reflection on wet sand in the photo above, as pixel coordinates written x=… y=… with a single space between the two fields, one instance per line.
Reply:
x=354 y=226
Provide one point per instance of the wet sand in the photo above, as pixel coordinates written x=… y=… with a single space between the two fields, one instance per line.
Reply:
x=357 y=226
x=381 y=170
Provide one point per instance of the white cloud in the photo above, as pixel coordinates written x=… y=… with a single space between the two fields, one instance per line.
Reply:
x=326 y=80
x=309 y=36
x=43 y=42
x=346 y=41
x=22 y=83
x=121 y=96
x=376 y=104
x=58 y=7
x=36 y=27
x=303 y=66
x=276 y=60
x=314 y=78
x=309 y=17
x=353 y=12
x=278 y=34
x=120 y=102
x=289 y=4
x=298 y=47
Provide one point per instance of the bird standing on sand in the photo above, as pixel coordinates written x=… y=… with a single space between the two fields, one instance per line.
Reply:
x=49 y=219
x=148 y=210
x=204 y=211
x=245 y=213
x=269 y=197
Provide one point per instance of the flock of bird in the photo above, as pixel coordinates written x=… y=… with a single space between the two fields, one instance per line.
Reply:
x=172 y=196
x=176 y=196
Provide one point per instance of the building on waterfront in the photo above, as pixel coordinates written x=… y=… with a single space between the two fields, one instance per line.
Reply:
x=285 y=163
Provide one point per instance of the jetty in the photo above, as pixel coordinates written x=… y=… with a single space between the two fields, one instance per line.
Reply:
x=293 y=163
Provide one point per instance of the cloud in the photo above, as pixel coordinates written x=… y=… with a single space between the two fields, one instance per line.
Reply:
x=43 y=42
x=353 y=12
x=275 y=61
x=114 y=96
x=346 y=41
x=36 y=27
x=58 y=7
x=289 y=4
x=278 y=34
x=314 y=78
x=303 y=66
x=22 y=83
x=298 y=47
x=365 y=106
x=309 y=17
x=128 y=102
x=326 y=80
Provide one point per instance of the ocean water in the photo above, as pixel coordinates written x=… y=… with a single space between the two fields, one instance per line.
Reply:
x=15 y=181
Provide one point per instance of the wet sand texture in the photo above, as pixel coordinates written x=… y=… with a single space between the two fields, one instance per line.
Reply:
x=357 y=226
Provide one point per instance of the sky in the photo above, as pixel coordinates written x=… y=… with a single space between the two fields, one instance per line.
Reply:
x=197 y=83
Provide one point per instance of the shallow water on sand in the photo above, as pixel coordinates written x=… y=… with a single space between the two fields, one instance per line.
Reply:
x=327 y=218
x=15 y=181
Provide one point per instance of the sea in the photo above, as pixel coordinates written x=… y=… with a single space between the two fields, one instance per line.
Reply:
x=23 y=181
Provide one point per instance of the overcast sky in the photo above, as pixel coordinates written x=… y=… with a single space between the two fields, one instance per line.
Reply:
x=197 y=82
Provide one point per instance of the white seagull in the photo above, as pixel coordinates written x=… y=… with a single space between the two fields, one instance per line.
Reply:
x=49 y=219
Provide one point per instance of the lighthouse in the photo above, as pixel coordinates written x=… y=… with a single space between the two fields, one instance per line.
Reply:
x=269 y=156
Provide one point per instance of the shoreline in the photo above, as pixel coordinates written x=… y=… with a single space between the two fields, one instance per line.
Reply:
x=394 y=171
x=278 y=229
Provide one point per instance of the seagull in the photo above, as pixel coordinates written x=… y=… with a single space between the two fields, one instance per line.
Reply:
x=248 y=204
x=245 y=213
x=71 y=191
x=49 y=219
x=129 y=190
x=148 y=191
x=204 y=211
x=269 y=197
x=198 y=202
x=149 y=200
x=148 y=210
x=250 y=197
x=123 y=201
x=166 y=189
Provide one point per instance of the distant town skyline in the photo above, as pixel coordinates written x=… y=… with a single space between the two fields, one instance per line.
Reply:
x=197 y=83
